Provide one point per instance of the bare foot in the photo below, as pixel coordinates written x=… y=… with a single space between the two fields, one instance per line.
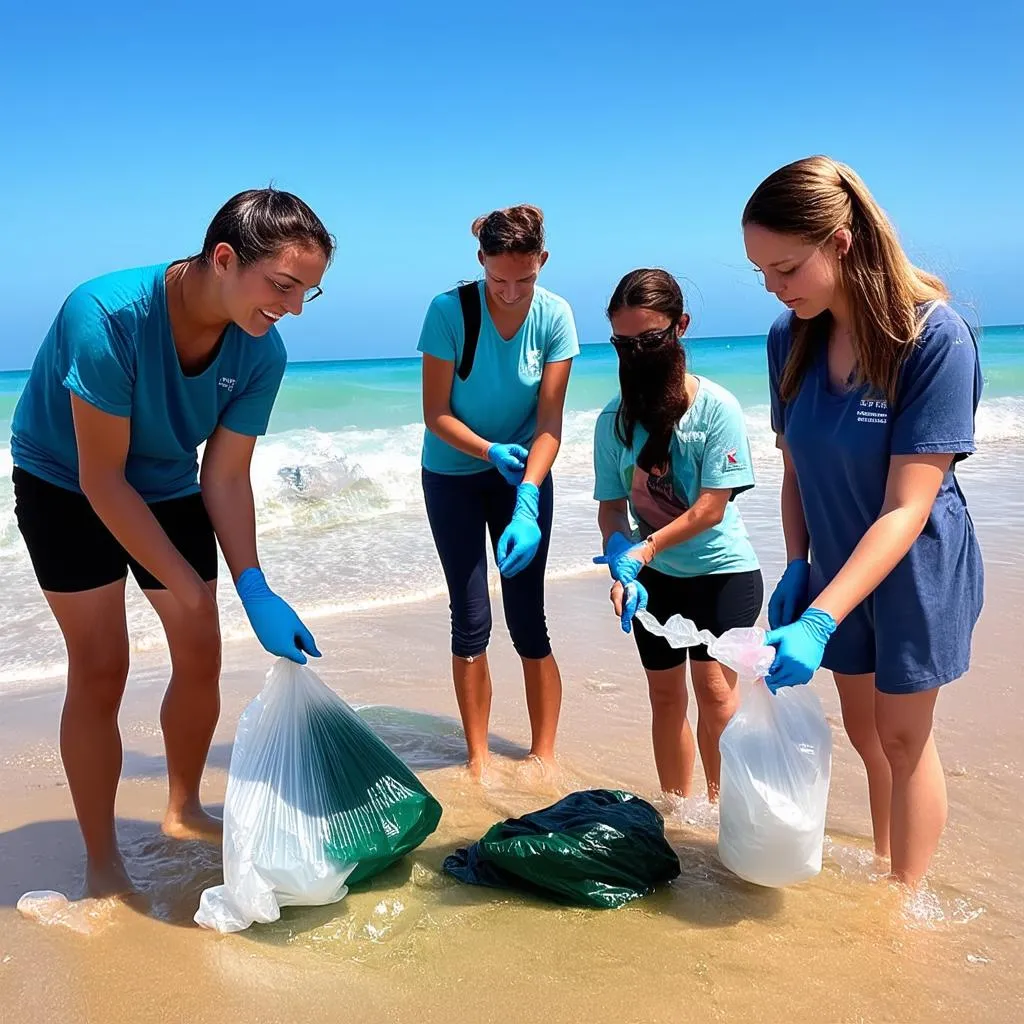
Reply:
x=548 y=763
x=477 y=768
x=193 y=823
x=108 y=879
x=540 y=772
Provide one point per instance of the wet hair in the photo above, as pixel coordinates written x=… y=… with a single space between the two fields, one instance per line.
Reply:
x=260 y=222
x=652 y=382
x=812 y=199
x=516 y=229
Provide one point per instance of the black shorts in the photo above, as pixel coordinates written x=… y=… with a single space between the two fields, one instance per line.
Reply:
x=715 y=603
x=72 y=551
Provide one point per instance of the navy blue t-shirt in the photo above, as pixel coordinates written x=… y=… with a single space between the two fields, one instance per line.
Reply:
x=914 y=632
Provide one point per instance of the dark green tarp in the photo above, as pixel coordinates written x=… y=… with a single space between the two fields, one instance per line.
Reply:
x=596 y=848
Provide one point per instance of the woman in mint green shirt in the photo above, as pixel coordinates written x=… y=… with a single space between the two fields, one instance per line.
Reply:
x=672 y=449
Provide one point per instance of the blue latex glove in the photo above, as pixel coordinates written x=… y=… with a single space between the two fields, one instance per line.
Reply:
x=799 y=648
x=276 y=626
x=789 y=599
x=519 y=542
x=510 y=461
x=620 y=562
x=634 y=600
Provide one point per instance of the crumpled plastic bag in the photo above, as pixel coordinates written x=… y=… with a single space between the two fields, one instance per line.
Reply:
x=315 y=802
x=596 y=848
x=776 y=762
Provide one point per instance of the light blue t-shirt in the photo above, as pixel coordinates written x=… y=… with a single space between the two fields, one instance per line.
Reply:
x=111 y=344
x=499 y=399
x=708 y=450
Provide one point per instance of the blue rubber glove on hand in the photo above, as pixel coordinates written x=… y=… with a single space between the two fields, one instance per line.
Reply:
x=509 y=460
x=276 y=626
x=520 y=540
x=789 y=599
x=799 y=648
x=621 y=564
x=634 y=600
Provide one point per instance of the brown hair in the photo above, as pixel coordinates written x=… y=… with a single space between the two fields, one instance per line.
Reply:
x=516 y=229
x=259 y=222
x=652 y=382
x=812 y=199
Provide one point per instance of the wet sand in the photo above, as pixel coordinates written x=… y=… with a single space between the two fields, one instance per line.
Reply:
x=414 y=945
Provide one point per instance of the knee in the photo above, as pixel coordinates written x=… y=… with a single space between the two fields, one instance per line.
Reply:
x=863 y=735
x=471 y=628
x=667 y=693
x=97 y=675
x=196 y=654
x=902 y=749
x=718 y=702
x=864 y=739
x=530 y=635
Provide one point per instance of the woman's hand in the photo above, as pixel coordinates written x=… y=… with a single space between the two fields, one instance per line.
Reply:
x=627 y=601
x=624 y=558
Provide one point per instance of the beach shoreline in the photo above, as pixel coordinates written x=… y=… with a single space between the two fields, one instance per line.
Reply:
x=403 y=944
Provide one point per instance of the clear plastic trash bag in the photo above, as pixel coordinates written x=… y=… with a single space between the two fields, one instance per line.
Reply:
x=314 y=800
x=776 y=762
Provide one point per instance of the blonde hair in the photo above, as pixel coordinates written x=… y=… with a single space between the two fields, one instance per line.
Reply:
x=813 y=198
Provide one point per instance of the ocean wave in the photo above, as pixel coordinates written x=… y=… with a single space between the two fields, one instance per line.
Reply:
x=317 y=480
x=1000 y=419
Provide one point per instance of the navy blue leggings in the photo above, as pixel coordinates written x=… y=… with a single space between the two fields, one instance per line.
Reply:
x=462 y=510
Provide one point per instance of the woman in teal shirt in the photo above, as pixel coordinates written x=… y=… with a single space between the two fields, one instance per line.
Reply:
x=672 y=448
x=493 y=416
x=139 y=368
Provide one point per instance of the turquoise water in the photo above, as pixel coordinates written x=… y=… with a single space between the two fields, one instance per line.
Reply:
x=374 y=394
x=383 y=393
x=339 y=504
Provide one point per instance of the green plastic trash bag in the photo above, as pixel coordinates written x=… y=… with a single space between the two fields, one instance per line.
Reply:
x=596 y=848
x=315 y=803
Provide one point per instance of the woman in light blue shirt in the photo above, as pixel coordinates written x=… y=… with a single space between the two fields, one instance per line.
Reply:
x=496 y=361
x=139 y=368
x=672 y=449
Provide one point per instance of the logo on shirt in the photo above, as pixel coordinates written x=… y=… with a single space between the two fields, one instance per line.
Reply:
x=691 y=436
x=533 y=363
x=228 y=383
x=873 y=410
x=730 y=461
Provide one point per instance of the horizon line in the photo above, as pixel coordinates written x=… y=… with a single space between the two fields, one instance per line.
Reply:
x=583 y=345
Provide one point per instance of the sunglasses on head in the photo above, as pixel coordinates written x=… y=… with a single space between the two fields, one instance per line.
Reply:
x=643 y=342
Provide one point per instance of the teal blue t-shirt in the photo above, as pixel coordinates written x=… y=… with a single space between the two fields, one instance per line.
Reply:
x=499 y=399
x=709 y=450
x=111 y=344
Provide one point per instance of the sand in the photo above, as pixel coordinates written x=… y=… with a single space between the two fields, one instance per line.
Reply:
x=416 y=946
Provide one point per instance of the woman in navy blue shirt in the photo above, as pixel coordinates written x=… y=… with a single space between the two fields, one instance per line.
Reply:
x=874 y=385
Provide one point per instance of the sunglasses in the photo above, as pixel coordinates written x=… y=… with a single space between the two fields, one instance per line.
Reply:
x=644 y=342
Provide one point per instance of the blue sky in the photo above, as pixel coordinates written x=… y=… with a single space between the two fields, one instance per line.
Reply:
x=639 y=128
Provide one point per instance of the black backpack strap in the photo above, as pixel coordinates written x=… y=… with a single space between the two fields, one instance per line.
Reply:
x=469 y=299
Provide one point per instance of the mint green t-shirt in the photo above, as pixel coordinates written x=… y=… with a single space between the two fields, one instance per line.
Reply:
x=499 y=399
x=709 y=450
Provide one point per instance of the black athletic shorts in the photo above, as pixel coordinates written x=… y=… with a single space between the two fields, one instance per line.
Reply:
x=715 y=603
x=72 y=551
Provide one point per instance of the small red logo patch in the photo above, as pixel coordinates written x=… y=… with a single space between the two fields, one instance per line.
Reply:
x=730 y=457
